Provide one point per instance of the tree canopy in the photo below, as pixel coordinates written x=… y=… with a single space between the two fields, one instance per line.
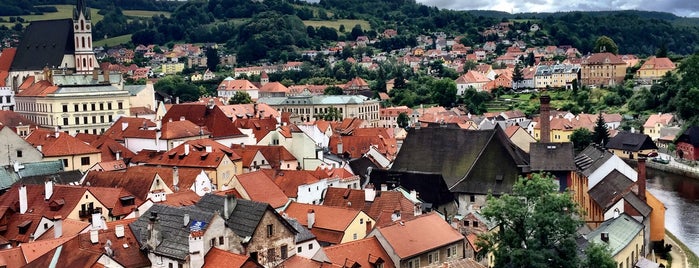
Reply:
x=601 y=132
x=240 y=97
x=606 y=44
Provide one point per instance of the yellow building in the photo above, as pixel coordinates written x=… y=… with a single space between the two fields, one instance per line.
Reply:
x=657 y=217
x=171 y=68
x=602 y=69
x=74 y=153
x=556 y=76
x=331 y=225
x=655 y=123
x=623 y=236
x=654 y=69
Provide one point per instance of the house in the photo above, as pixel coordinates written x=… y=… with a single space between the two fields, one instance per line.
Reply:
x=687 y=144
x=229 y=86
x=17 y=150
x=298 y=143
x=17 y=122
x=258 y=186
x=520 y=137
x=556 y=159
x=623 y=235
x=262 y=233
x=257 y=157
x=331 y=225
x=602 y=69
x=299 y=185
x=308 y=107
x=386 y=207
x=112 y=150
x=424 y=241
x=631 y=145
x=209 y=117
x=655 y=123
x=470 y=79
x=365 y=252
x=450 y=166
x=75 y=154
x=306 y=244
x=654 y=69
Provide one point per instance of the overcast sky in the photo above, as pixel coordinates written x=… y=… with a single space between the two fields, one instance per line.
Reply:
x=687 y=8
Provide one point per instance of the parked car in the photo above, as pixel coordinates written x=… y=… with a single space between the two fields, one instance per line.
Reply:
x=652 y=154
x=661 y=160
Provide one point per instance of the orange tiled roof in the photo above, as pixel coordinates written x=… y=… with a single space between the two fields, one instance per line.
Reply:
x=182 y=198
x=424 y=233
x=289 y=180
x=260 y=126
x=261 y=188
x=328 y=218
x=235 y=111
x=220 y=258
x=110 y=148
x=344 y=197
x=127 y=124
x=236 y=84
x=38 y=89
x=197 y=156
x=273 y=154
x=135 y=178
x=36 y=249
x=386 y=204
x=663 y=119
x=297 y=261
x=182 y=129
x=13 y=119
x=12 y=257
x=603 y=58
x=203 y=115
x=6 y=58
x=62 y=145
x=111 y=198
x=274 y=87
x=366 y=252
x=70 y=228
x=654 y=63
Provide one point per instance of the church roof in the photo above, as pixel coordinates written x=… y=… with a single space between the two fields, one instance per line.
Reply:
x=44 y=44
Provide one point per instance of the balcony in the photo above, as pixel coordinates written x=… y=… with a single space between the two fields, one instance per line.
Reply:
x=85 y=213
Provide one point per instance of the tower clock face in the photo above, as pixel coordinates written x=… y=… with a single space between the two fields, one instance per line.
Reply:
x=87 y=26
x=76 y=27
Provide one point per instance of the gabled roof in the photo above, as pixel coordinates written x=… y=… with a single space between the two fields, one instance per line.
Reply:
x=44 y=43
x=289 y=180
x=603 y=58
x=274 y=154
x=181 y=198
x=6 y=58
x=63 y=257
x=221 y=258
x=181 y=129
x=13 y=119
x=204 y=115
x=654 y=63
x=691 y=136
x=274 y=87
x=344 y=197
x=641 y=206
x=236 y=85
x=552 y=156
x=475 y=161
x=385 y=204
x=662 y=119
x=610 y=189
x=591 y=159
x=260 y=126
x=38 y=89
x=621 y=230
x=60 y=145
x=112 y=200
x=169 y=219
x=126 y=250
x=235 y=111
x=197 y=156
x=246 y=215
x=137 y=179
x=330 y=222
x=109 y=148
x=632 y=142
x=12 y=257
x=425 y=233
x=127 y=125
x=366 y=252
x=260 y=187
x=302 y=233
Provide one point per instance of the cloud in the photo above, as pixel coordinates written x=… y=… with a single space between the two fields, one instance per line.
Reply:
x=687 y=8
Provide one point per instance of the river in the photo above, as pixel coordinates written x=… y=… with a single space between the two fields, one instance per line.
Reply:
x=681 y=198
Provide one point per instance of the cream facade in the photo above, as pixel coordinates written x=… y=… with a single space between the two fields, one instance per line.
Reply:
x=309 y=107
x=357 y=228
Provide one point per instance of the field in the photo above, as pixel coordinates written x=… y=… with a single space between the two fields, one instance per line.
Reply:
x=64 y=12
x=336 y=24
x=117 y=40
x=145 y=13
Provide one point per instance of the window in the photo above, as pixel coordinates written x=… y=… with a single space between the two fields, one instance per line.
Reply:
x=92 y=106
x=253 y=255
x=77 y=120
x=65 y=121
x=169 y=265
x=475 y=224
x=271 y=254
x=109 y=105
x=270 y=230
x=84 y=106
x=354 y=236
x=451 y=252
x=361 y=221
x=101 y=106
x=466 y=223
x=212 y=242
x=283 y=251
x=85 y=119
x=433 y=257
x=120 y=105
x=220 y=240
x=65 y=162
x=94 y=119
x=65 y=108
x=310 y=246
x=85 y=160
x=473 y=198
x=19 y=153
x=298 y=250
x=110 y=118
x=75 y=107
x=414 y=263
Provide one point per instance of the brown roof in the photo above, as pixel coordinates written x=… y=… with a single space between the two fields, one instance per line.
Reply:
x=424 y=233
x=654 y=63
x=274 y=87
x=297 y=261
x=13 y=119
x=109 y=148
x=126 y=249
x=36 y=249
x=385 y=204
x=289 y=180
x=260 y=126
x=182 y=198
x=663 y=119
x=235 y=111
x=137 y=179
x=603 y=58
x=12 y=257
x=136 y=111
x=328 y=218
x=261 y=188
x=70 y=255
x=181 y=129
x=197 y=156
x=59 y=146
x=203 y=115
x=220 y=258
x=273 y=154
x=111 y=198
x=344 y=197
x=358 y=145
x=366 y=252
x=127 y=124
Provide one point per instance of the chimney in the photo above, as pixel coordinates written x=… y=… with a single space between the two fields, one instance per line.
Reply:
x=229 y=204
x=118 y=155
x=605 y=237
x=545 y=118
x=124 y=125
x=56 y=132
x=119 y=230
x=95 y=74
x=384 y=187
x=57 y=226
x=154 y=231
x=339 y=147
x=182 y=118
x=369 y=226
x=369 y=193
x=177 y=100
x=22 y=199
x=175 y=177
x=311 y=218
x=186 y=149
x=96 y=221
x=208 y=148
x=105 y=74
x=413 y=194
x=641 y=181
x=185 y=220
x=94 y=236
x=48 y=189
x=395 y=216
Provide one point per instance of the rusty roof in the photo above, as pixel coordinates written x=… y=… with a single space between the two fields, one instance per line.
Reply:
x=260 y=187
x=61 y=145
x=425 y=233
x=366 y=252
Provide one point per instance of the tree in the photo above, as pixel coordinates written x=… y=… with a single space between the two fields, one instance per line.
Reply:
x=333 y=90
x=537 y=225
x=240 y=97
x=601 y=133
x=581 y=138
x=662 y=51
x=517 y=76
x=444 y=92
x=605 y=44
x=598 y=256
x=212 y=59
x=403 y=120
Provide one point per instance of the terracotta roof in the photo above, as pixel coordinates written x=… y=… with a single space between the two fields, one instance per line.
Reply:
x=36 y=249
x=366 y=252
x=273 y=154
x=654 y=63
x=6 y=57
x=333 y=219
x=59 y=146
x=662 y=119
x=357 y=145
x=87 y=137
x=135 y=178
x=203 y=115
x=71 y=228
x=323 y=172
x=109 y=148
x=260 y=187
x=356 y=82
x=344 y=197
x=181 y=198
x=13 y=119
x=236 y=84
x=472 y=77
x=12 y=257
x=603 y=58
x=111 y=198
x=274 y=87
x=260 y=126
x=236 y=111
x=424 y=233
x=127 y=124
x=181 y=129
x=289 y=180
x=70 y=254
x=126 y=249
x=395 y=111
x=197 y=156
x=221 y=258
x=385 y=204
x=297 y=261
x=136 y=111
x=38 y=89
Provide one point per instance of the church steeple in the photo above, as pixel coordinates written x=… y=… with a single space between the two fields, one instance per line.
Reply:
x=81 y=7
x=85 y=61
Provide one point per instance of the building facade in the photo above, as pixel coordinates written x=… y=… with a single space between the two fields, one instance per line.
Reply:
x=308 y=107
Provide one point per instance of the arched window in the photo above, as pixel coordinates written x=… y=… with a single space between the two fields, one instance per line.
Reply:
x=76 y=42
x=90 y=63
x=89 y=42
x=77 y=62
x=84 y=64
x=82 y=25
x=83 y=38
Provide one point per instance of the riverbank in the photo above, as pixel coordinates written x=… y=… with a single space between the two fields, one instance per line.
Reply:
x=682 y=256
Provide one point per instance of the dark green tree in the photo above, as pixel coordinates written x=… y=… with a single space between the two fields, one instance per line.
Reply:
x=212 y=59
x=605 y=44
x=598 y=256
x=517 y=75
x=177 y=87
x=531 y=59
x=581 y=138
x=403 y=120
x=601 y=133
x=444 y=92
x=240 y=97
x=662 y=51
x=333 y=90
x=537 y=225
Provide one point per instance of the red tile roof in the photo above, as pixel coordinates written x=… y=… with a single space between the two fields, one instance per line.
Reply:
x=12 y=257
x=357 y=145
x=181 y=198
x=662 y=119
x=182 y=129
x=220 y=258
x=197 y=156
x=13 y=119
x=203 y=115
x=297 y=261
x=236 y=84
x=654 y=63
x=260 y=187
x=137 y=179
x=109 y=148
x=290 y=180
x=424 y=233
x=127 y=124
x=343 y=197
x=260 y=126
x=274 y=87
x=385 y=204
x=322 y=173
x=326 y=218
x=111 y=198
x=603 y=58
x=68 y=255
x=38 y=89
x=36 y=249
x=62 y=145
x=126 y=249
x=274 y=154
x=70 y=228
x=366 y=252
x=235 y=111
x=6 y=58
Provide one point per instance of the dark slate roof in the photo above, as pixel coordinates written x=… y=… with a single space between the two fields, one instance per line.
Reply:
x=610 y=189
x=431 y=186
x=44 y=43
x=246 y=215
x=174 y=235
x=591 y=158
x=303 y=234
x=636 y=202
x=360 y=166
x=469 y=161
x=691 y=136
x=632 y=142
x=64 y=177
x=554 y=156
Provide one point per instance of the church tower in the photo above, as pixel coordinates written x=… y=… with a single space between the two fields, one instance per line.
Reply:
x=85 y=61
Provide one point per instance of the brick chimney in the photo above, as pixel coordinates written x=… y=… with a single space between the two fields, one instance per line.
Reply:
x=641 y=181
x=545 y=118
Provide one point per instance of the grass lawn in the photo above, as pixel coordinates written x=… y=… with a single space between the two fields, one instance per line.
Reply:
x=145 y=13
x=117 y=40
x=64 y=12
x=336 y=24
x=691 y=257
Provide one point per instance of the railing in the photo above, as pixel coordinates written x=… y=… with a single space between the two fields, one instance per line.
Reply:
x=88 y=212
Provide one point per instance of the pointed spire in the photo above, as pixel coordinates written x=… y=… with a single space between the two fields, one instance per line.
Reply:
x=81 y=7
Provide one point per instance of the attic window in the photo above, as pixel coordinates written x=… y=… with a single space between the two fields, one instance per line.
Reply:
x=172 y=154
x=55 y=205
x=24 y=226
x=127 y=200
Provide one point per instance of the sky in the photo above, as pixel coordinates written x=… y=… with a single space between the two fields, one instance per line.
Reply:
x=684 y=8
